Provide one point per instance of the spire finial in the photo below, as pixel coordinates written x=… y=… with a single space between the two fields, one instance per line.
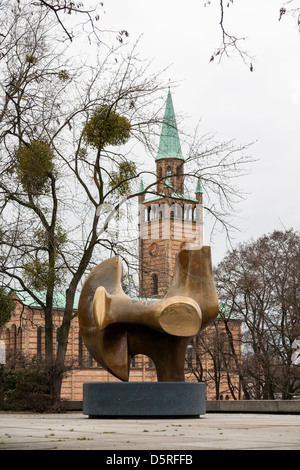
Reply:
x=198 y=187
x=169 y=144
x=141 y=188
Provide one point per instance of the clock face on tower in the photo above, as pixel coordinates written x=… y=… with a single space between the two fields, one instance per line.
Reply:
x=153 y=249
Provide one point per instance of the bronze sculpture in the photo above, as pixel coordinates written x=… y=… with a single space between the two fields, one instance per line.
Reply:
x=115 y=327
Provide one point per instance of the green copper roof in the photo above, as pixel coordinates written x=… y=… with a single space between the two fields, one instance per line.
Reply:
x=169 y=144
x=141 y=188
x=59 y=299
x=174 y=195
x=199 y=187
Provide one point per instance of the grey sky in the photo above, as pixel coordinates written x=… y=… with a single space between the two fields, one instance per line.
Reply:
x=262 y=106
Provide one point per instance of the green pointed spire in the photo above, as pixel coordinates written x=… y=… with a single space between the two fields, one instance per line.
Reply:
x=141 y=188
x=198 y=187
x=169 y=144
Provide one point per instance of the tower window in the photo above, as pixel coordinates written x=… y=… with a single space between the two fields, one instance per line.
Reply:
x=194 y=213
x=155 y=284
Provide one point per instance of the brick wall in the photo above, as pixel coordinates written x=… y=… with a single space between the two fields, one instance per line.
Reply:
x=25 y=333
x=176 y=170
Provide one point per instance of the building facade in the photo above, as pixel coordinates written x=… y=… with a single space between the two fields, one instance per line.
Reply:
x=169 y=221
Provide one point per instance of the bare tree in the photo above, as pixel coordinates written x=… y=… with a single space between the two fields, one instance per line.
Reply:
x=62 y=13
x=61 y=123
x=230 y=42
x=214 y=358
x=68 y=133
x=260 y=281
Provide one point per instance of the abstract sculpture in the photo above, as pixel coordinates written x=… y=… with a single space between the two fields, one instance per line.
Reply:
x=115 y=327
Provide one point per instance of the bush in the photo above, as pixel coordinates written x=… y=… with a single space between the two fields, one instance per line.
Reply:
x=26 y=387
x=26 y=390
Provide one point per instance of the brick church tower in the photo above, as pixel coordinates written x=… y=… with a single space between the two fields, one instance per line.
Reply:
x=170 y=219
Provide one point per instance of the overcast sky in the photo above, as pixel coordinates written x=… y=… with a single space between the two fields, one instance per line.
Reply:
x=262 y=106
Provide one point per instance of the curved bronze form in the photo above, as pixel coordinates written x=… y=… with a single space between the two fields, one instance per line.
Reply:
x=115 y=327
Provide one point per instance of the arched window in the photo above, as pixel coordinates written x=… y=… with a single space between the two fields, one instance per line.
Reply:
x=155 y=284
x=161 y=211
x=80 y=350
x=90 y=360
x=194 y=213
x=178 y=211
x=7 y=337
x=39 y=342
x=224 y=351
x=57 y=338
x=14 y=339
x=188 y=212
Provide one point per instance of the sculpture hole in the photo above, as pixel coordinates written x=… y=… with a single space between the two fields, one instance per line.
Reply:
x=142 y=368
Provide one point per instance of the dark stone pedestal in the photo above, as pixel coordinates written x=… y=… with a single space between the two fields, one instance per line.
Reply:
x=132 y=399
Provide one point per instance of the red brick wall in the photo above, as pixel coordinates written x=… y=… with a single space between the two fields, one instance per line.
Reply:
x=23 y=328
x=177 y=170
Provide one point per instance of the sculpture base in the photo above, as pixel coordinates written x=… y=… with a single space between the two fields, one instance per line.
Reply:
x=152 y=399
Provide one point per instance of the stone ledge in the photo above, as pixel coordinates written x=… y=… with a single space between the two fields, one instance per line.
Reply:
x=253 y=406
x=229 y=406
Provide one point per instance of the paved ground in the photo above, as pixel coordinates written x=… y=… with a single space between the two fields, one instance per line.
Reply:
x=74 y=431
